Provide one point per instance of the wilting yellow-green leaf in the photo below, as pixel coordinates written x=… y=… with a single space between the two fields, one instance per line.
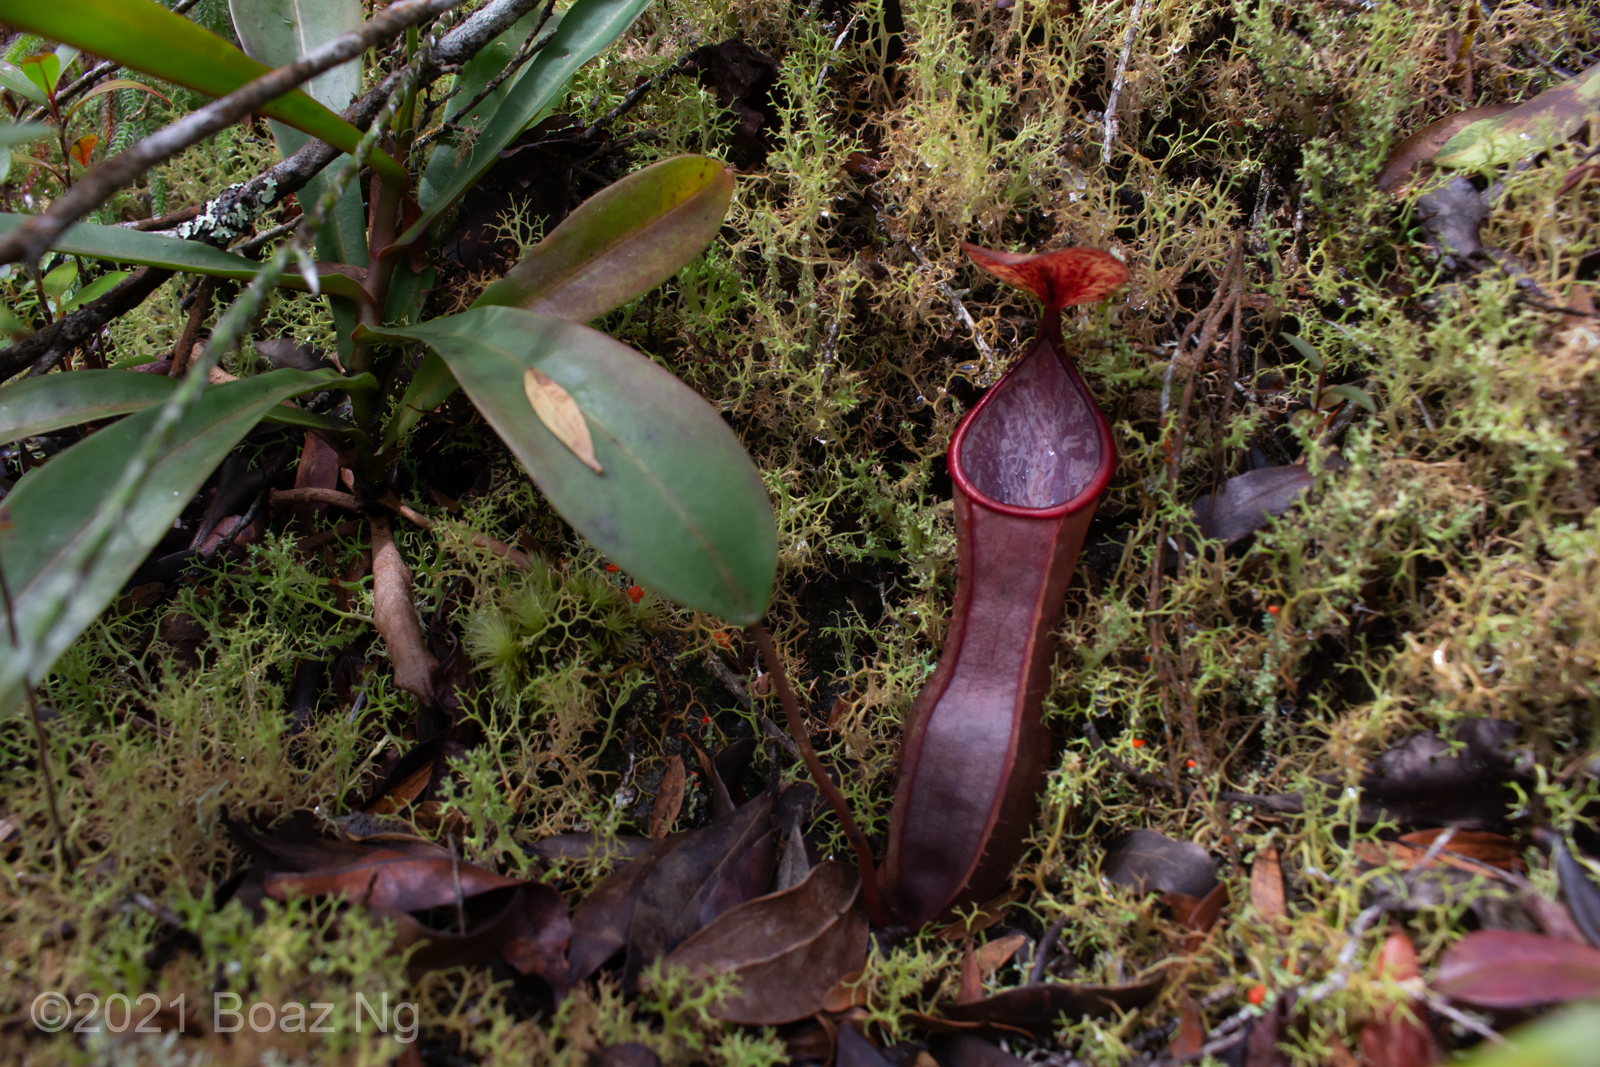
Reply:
x=1529 y=128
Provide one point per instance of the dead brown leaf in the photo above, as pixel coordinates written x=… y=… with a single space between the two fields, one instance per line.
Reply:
x=395 y=615
x=669 y=798
x=1424 y=144
x=1266 y=886
x=560 y=415
x=788 y=949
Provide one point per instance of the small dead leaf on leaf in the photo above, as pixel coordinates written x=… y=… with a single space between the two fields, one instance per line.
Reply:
x=394 y=613
x=1248 y=500
x=481 y=942
x=1199 y=914
x=560 y=415
x=789 y=949
x=969 y=987
x=1404 y=857
x=1510 y=969
x=846 y=993
x=540 y=935
x=669 y=798
x=1152 y=862
x=1266 y=886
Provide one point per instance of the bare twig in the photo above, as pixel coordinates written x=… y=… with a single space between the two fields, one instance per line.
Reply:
x=1117 y=82
x=45 y=348
x=33 y=239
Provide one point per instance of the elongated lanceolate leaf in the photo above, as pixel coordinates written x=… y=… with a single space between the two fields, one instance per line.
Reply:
x=621 y=242
x=147 y=37
x=680 y=506
x=40 y=405
x=122 y=245
x=52 y=507
x=35 y=406
x=1527 y=129
x=276 y=32
x=587 y=27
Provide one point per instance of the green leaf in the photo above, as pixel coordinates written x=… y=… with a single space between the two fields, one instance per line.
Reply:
x=12 y=78
x=1354 y=394
x=622 y=242
x=147 y=37
x=276 y=32
x=1311 y=355
x=94 y=290
x=122 y=245
x=39 y=405
x=430 y=386
x=42 y=71
x=680 y=506
x=54 y=506
x=35 y=406
x=11 y=324
x=587 y=27
x=1527 y=129
x=1566 y=1037
x=21 y=133
x=59 y=280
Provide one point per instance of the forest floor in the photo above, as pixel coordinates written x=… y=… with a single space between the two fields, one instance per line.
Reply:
x=1441 y=566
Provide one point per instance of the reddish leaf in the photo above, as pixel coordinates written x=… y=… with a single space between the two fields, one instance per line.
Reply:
x=83 y=148
x=788 y=949
x=391 y=879
x=1060 y=279
x=969 y=990
x=1508 y=969
x=1392 y=1039
x=1191 y=1035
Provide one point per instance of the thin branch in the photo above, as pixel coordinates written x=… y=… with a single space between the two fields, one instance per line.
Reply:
x=1117 y=82
x=44 y=348
x=34 y=239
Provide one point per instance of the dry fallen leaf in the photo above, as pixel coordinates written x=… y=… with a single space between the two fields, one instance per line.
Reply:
x=560 y=415
x=669 y=798
x=993 y=954
x=1266 y=886
x=395 y=615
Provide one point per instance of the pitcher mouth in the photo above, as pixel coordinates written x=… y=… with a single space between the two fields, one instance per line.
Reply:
x=1062 y=422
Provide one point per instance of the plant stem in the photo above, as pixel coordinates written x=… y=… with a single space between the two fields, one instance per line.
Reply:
x=870 y=894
